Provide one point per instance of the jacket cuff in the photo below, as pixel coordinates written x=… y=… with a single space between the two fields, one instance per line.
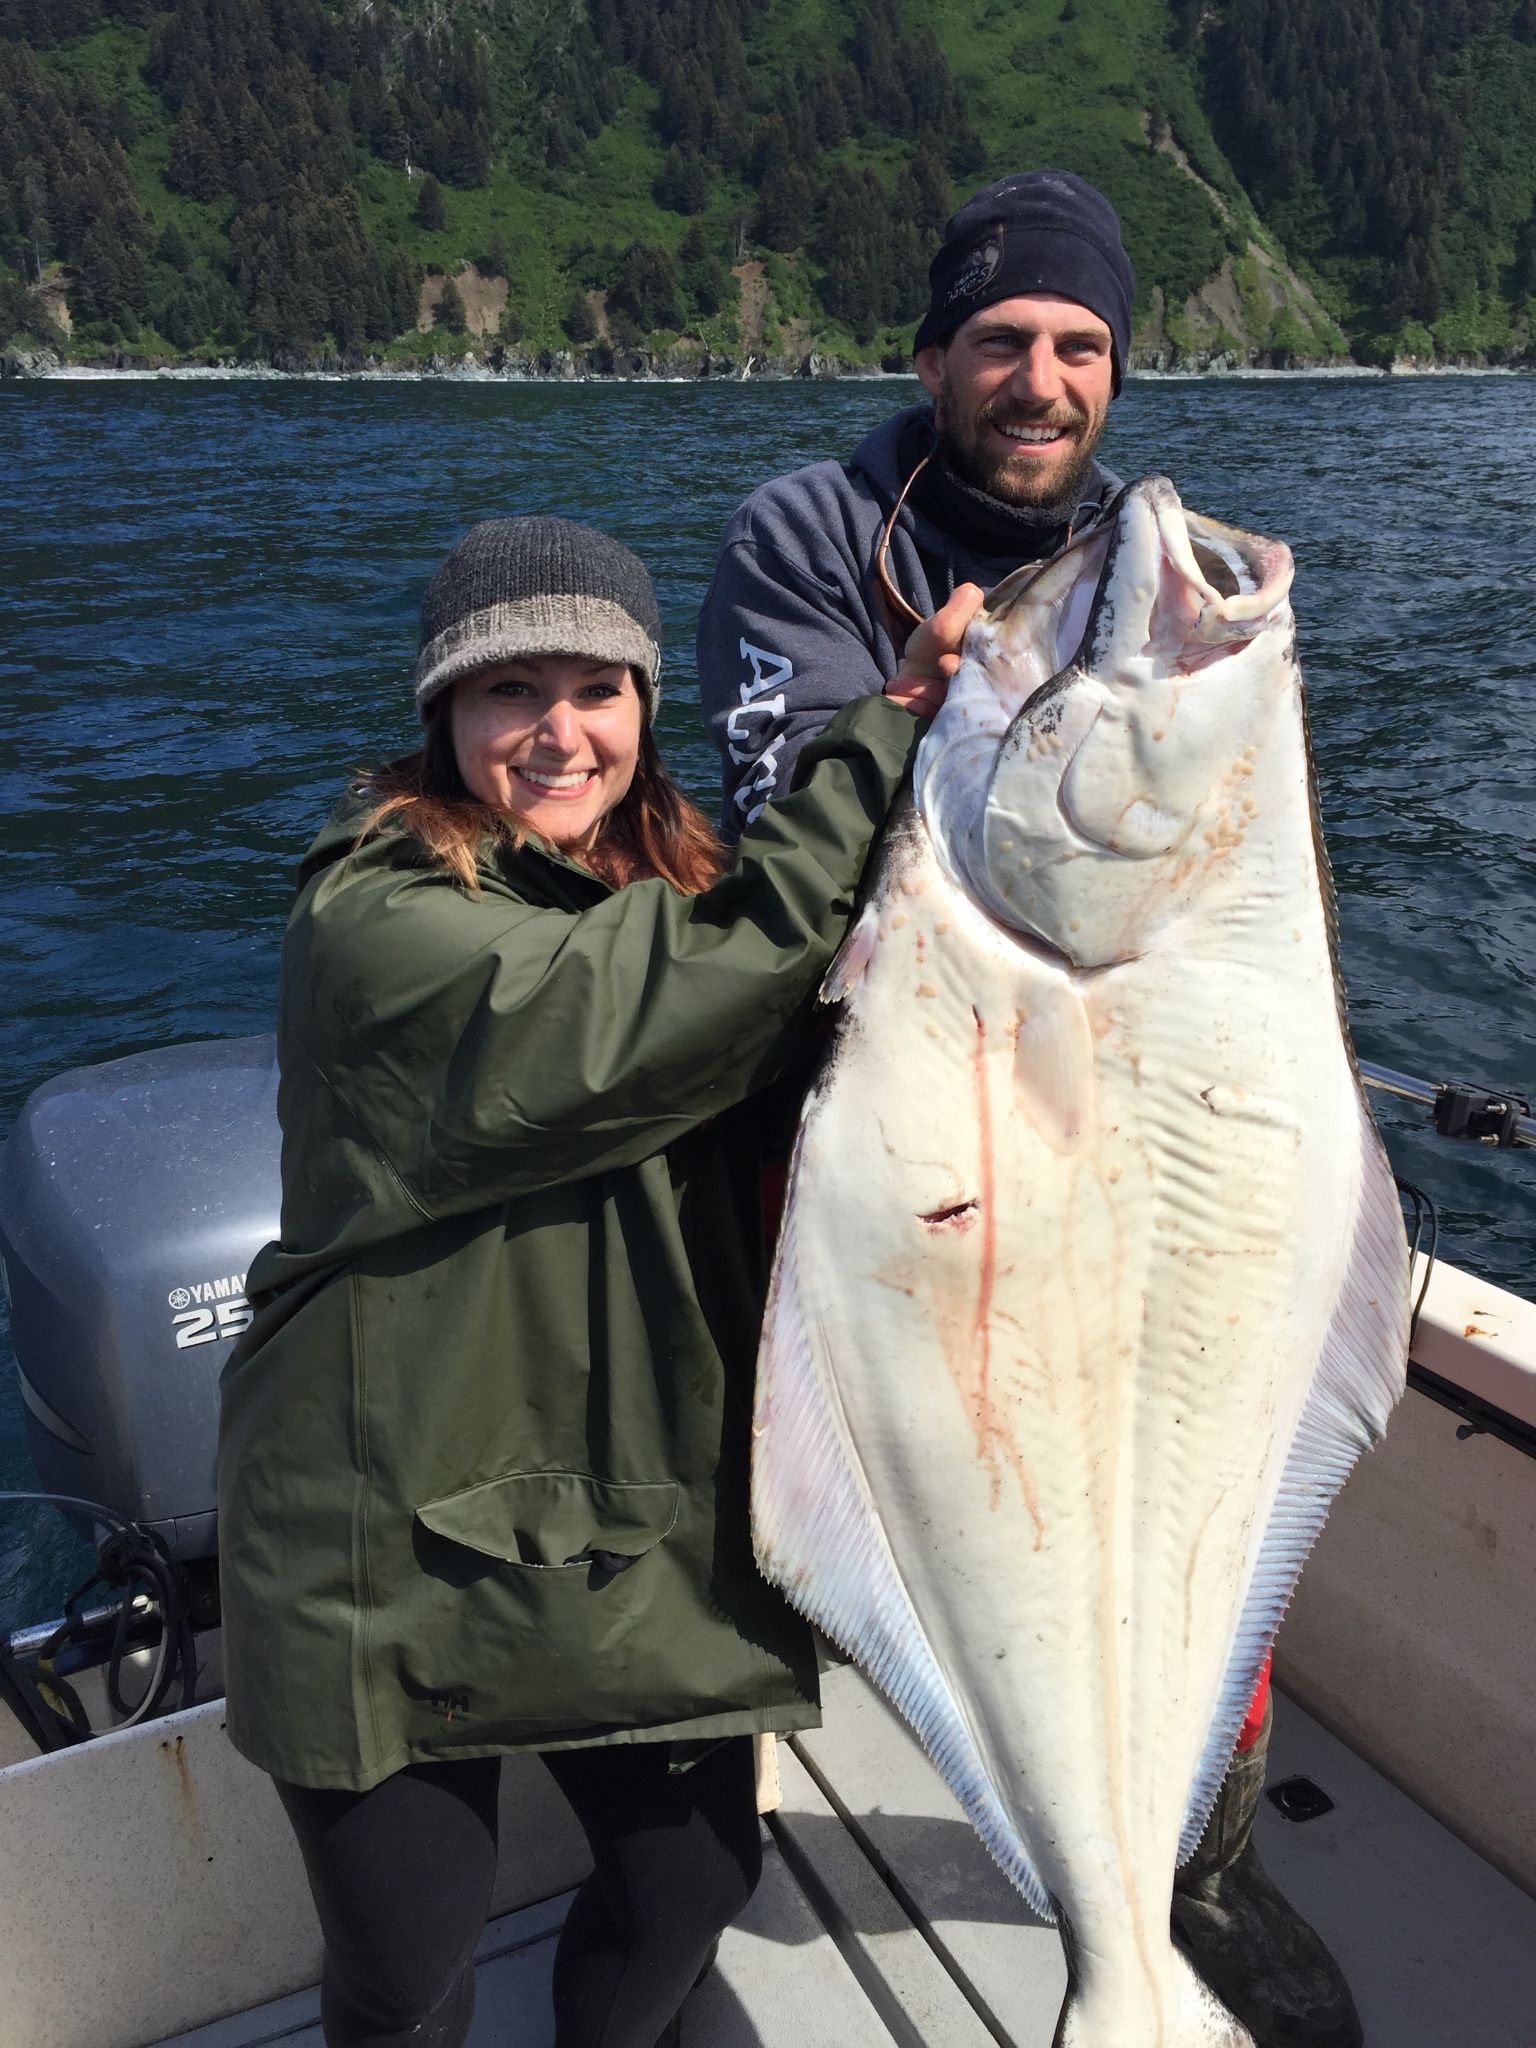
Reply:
x=875 y=725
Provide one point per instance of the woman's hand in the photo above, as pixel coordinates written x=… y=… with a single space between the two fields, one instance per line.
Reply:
x=933 y=653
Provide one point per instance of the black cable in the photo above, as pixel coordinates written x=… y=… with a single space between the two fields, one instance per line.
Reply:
x=1426 y=1225
x=129 y=1557
x=51 y=1724
x=147 y=1563
x=62 y=1702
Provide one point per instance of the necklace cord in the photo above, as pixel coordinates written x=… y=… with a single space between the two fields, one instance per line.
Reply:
x=897 y=604
x=893 y=596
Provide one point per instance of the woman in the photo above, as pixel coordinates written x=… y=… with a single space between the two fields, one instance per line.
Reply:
x=484 y=1450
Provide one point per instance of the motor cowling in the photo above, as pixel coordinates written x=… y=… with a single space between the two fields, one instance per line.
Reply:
x=133 y=1198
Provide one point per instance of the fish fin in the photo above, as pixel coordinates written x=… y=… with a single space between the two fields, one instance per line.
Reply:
x=1361 y=1371
x=852 y=957
x=1053 y=1072
x=1196 y=2018
x=818 y=1538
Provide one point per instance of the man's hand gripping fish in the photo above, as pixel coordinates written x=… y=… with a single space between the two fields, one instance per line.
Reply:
x=1092 y=1283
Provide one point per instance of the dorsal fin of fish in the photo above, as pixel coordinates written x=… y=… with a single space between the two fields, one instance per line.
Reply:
x=819 y=1538
x=852 y=956
x=1359 y=1376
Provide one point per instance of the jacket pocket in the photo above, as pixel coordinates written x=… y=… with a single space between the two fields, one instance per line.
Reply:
x=548 y=1605
x=556 y=1521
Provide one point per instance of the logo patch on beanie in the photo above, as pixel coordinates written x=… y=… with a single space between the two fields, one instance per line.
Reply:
x=979 y=268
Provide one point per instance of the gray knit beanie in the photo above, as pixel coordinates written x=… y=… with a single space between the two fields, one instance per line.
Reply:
x=538 y=586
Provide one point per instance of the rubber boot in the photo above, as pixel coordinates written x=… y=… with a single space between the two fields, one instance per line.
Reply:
x=1247 y=1941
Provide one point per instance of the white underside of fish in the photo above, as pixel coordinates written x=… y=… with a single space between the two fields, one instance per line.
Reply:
x=1090 y=1291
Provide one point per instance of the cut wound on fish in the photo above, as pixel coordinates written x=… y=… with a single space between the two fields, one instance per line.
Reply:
x=956 y=1216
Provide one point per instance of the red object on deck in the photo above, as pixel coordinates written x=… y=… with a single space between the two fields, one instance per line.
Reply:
x=1254 y=1722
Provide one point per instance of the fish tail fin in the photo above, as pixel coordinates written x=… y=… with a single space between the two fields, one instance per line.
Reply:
x=1096 y=2016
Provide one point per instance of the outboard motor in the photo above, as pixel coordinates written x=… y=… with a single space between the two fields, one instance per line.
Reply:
x=133 y=1196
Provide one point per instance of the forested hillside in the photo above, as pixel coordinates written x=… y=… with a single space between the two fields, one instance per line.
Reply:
x=710 y=180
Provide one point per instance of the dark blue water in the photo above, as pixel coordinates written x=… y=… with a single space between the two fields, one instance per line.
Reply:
x=209 y=593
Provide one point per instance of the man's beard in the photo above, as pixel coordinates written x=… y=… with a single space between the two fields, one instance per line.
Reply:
x=1037 y=488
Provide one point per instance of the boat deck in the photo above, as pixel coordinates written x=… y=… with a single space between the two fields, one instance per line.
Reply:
x=880 y=1917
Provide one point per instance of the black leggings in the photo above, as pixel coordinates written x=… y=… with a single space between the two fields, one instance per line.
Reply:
x=402 y=1880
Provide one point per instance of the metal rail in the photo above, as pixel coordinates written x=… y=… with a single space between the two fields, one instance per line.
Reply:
x=1477 y=1417
x=1485 y=1115
x=93 y=1621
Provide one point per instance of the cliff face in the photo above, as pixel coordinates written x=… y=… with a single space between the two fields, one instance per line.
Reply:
x=756 y=183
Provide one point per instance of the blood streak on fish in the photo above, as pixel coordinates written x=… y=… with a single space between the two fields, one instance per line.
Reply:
x=987 y=1266
x=995 y=1441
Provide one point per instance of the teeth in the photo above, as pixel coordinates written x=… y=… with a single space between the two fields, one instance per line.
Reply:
x=572 y=779
x=1031 y=433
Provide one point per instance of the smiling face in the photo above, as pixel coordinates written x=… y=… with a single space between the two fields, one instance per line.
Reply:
x=1020 y=393
x=552 y=739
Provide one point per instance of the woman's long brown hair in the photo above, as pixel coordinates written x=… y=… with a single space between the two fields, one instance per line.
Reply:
x=652 y=830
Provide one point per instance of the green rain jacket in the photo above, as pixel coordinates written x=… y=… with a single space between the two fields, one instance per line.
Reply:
x=484 y=1450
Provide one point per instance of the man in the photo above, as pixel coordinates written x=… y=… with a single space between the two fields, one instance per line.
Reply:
x=822 y=576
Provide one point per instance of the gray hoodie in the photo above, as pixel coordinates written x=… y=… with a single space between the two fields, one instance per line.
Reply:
x=795 y=624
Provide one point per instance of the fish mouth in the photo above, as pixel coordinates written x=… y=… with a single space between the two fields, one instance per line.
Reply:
x=1187 y=587
x=1048 y=746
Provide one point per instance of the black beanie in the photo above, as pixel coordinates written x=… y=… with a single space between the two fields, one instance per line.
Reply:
x=538 y=586
x=1036 y=231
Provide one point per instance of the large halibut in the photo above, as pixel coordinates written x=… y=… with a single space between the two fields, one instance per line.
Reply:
x=1092 y=1283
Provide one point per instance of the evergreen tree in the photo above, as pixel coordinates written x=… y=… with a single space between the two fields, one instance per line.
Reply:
x=926 y=81
x=449 y=312
x=683 y=186
x=967 y=151
x=562 y=141
x=645 y=289
x=853 y=244
x=109 y=286
x=184 y=320
x=680 y=115
x=495 y=261
x=15 y=306
x=877 y=50
x=579 y=323
x=172 y=247
x=430 y=213
x=703 y=272
x=924 y=195
x=786 y=205
x=196 y=165
x=794 y=109
x=399 y=296
x=625 y=332
x=829 y=108
x=1524 y=279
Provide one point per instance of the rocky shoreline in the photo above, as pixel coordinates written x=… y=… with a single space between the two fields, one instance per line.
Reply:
x=603 y=364
x=510 y=365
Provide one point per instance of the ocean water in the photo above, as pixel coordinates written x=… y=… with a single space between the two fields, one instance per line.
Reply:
x=208 y=602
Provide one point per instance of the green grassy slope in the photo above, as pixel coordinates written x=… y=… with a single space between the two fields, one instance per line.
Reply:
x=302 y=230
